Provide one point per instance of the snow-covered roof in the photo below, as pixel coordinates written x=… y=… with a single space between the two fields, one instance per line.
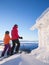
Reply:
x=43 y=14
x=42 y=21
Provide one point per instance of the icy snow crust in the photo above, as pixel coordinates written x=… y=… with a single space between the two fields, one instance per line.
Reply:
x=41 y=54
x=22 y=59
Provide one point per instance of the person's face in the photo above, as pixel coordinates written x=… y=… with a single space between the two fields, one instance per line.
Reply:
x=16 y=26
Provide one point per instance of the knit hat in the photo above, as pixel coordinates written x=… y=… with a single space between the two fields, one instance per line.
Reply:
x=7 y=32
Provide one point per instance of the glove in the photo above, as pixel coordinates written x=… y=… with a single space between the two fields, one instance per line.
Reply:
x=20 y=37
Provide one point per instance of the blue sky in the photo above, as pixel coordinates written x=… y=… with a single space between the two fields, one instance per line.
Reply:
x=21 y=12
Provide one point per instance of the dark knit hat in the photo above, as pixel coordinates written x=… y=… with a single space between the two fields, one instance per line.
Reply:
x=15 y=25
x=7 y=32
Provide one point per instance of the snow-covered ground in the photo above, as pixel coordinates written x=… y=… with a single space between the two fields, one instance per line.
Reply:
x=22 y=59
x=41 y=54
x=25 y=59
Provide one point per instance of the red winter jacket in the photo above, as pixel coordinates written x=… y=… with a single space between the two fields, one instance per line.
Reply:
x=14 y=33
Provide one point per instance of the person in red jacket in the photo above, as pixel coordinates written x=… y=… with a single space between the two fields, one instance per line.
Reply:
x=15 y=39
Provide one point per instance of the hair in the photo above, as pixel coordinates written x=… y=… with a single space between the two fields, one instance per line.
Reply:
x=7 y=32
x=15 y=25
